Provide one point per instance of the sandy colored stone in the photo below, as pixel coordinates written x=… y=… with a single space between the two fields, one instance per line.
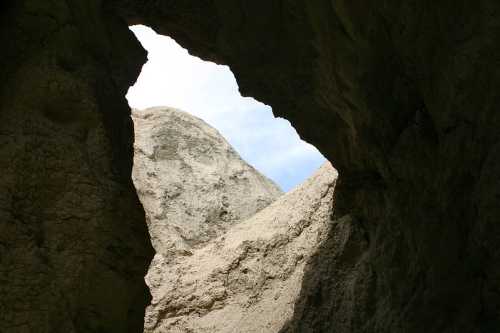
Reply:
x=248 y=279
x=191 y=182
x=230 y=256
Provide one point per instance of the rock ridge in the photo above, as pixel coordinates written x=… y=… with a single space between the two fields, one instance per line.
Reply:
x=191 y=182
x=238 y=269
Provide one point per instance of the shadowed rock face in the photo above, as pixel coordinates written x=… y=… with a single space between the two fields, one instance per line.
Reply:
x=74 y=247
x=401 y=95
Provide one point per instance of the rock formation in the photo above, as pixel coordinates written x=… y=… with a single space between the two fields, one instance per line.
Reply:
x=400 y=95
x=220 y=267
x=191 y=182
x=74 y=247
x=248 y=279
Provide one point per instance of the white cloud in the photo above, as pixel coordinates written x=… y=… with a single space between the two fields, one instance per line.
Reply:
x=172 y=77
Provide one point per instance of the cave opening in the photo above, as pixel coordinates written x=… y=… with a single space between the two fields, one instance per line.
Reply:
x=173 y=78
x=208 y=161
x=403 y=96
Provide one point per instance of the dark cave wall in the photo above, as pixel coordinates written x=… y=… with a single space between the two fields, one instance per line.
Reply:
x=401 y=96
x=74 y=246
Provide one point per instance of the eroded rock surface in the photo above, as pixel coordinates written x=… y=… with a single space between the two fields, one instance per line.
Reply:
x=191 y=182
x=74 y=247
x=401 y=95
x=227 y=261
x=193 y=186
x=248 y=279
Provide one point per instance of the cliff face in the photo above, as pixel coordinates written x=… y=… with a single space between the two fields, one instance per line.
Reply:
x=227 y=261
x=191 y=182
x=249 y=278
x=74 y=247
x=401 y=96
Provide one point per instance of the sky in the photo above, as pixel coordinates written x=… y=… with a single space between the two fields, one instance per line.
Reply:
x=171 y=77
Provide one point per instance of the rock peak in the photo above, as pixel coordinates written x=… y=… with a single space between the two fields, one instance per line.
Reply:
x=191 y=182
x=231 y=248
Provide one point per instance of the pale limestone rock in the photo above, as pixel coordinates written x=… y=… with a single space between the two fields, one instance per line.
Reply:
x=191 y=182
x=225 y=263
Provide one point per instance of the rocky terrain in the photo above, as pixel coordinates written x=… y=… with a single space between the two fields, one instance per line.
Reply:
x=225 y=261
x=191 y=182
x=401 y=96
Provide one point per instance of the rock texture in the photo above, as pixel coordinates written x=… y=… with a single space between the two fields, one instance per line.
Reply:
x=194 y=188
x=248 y=278
x=191 y=182
x=401 y=95
x=74 y=247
